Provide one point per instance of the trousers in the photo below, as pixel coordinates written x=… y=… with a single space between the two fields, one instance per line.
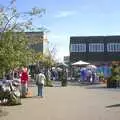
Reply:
x=41 y=90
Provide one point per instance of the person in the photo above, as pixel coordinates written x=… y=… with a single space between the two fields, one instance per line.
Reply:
x=24 y=82
x=37 y=70
x=64 y=77
x=40 y=80
x=9 y=75
x=89 y=75
x=82 y=74
x=93 y=76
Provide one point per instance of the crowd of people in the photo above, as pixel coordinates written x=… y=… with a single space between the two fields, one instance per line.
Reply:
x=23 y=76
x=61 y=74
x=93 y=75
x=40 y=76
x=88 y=75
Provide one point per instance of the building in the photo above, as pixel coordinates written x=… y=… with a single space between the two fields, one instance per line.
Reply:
x=40 y=43
x=66 y=59
x=95 y=49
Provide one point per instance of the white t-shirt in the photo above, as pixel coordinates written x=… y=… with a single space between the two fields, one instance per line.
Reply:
x=41 y=78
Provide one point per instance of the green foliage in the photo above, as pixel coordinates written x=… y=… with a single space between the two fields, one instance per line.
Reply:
x=63 y=77
x=115 y=72
x=13 y=51
x=47 y=60
x=14 y=44
x=48 y=83
x=101 y=75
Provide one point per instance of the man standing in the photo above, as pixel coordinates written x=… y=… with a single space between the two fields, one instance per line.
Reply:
x=37 y=70
x=40 y=80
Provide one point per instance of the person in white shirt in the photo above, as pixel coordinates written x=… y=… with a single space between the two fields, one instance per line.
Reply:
x=40 y=81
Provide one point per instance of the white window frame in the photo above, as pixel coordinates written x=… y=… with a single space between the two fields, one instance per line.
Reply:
x=113 y=47
x=96 y=47
x=78 y=47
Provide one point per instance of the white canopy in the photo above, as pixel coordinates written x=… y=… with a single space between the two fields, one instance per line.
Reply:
x=59 y=69
x=91 y=67
x=62 y=64
x=80 y=63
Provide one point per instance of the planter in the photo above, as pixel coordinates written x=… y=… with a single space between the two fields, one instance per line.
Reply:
x=112 y=84
x=64 y=82
x=48 y=83
x=101 y=79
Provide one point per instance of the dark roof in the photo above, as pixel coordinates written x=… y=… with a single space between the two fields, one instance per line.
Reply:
x=94 y=36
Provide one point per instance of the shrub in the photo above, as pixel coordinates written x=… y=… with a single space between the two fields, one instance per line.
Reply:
x=48 y=83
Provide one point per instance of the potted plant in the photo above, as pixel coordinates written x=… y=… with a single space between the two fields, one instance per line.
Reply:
x=101 y=77
x=113 y=81
x=64 y=77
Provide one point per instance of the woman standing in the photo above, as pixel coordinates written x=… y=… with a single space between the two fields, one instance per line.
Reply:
x=24 y=82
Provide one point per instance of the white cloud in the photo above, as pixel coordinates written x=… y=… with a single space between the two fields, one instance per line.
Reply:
x=62 y=14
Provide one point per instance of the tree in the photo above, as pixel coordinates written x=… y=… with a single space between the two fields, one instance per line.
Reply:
x=114 y=80
x=11 y=19
x=47 y=60
x=14 y=44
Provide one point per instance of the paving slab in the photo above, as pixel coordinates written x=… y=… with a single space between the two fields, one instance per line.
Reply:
x=68 y=103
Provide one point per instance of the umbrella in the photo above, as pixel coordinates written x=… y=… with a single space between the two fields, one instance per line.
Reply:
x=91 y=67
x=80 y=63
x=59 y=69
x=62 y=64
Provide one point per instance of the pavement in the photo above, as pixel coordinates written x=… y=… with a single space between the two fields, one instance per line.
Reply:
x=92 y=102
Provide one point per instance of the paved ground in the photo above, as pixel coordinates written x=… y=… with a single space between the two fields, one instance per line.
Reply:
x=69 y=103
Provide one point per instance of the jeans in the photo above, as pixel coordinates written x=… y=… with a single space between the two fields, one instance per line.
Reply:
x=40 y=90
x=24 y=90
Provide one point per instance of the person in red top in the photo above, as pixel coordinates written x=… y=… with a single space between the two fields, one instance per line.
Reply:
x=24 y=82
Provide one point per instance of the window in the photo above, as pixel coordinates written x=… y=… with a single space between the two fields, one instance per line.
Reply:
x=113 y=47
x=82 y=47
x=72 y=49
x=78 y=48
x=96 y=47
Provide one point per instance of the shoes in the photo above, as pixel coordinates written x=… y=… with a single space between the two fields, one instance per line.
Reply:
x=40 y=96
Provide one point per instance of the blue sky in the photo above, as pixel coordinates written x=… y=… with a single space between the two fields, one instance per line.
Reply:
x=65 y=18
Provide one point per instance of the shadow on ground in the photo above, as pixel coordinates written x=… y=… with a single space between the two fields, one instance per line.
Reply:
x=111 y=106
x=29 y=97
x=32 y=97
x=6 y=104
x=3 y=113
x=96 y=87
x=86 y=84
